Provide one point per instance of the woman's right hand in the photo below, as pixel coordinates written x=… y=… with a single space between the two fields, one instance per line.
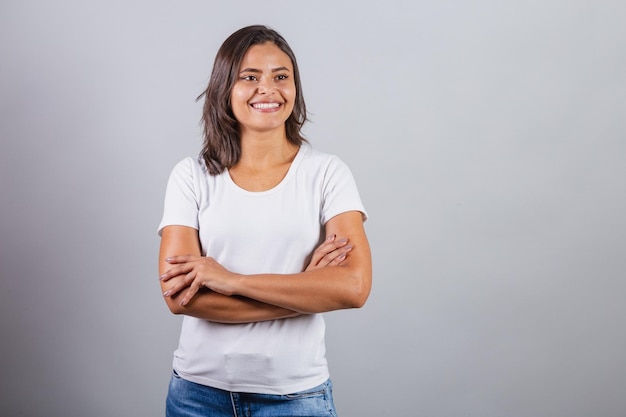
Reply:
x=331 y=252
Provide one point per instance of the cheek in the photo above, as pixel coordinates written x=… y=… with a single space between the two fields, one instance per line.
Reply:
x=290 y=95
x=236 y=96
x=238 y=100
x=291 y=91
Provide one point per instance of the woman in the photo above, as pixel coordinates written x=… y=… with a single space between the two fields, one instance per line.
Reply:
x=259 y=236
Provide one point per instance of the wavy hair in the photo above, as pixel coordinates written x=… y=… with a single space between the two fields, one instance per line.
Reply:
x=222 y=143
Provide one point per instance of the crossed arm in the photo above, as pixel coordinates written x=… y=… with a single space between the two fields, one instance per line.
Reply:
x=339 y=276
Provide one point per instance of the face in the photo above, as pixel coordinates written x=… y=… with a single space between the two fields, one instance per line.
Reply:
x=264 y=94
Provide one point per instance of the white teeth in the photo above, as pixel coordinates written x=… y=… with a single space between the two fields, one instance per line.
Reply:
x=265 y=105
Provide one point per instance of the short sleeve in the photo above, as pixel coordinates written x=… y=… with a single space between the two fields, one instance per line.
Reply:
x=340 y=193
x=181 y=197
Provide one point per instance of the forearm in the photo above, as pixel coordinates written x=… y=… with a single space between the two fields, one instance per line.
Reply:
x=324 y=289
x=212 y=306
x=335 y=287
x=316 y=291
x=207 y=304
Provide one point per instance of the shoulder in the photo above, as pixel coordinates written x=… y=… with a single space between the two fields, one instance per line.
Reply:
x=339 y=190
x=189 y=168
x=328 y=168
x=191 y=177
x=316 y=154
x=314 y=158
x=189 y=164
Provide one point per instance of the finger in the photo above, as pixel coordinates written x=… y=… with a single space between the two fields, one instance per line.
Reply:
x=189 y=294
x=169 y=275
x=176 y=271
x=315 y=259
x=175 y=289
x=332 y=243
x=324 y=254
x=177 y=259
x=172 y=291
x=342 y=254
x=180 y=285
x=326 y=249
x=338 y=260
x=332 y=258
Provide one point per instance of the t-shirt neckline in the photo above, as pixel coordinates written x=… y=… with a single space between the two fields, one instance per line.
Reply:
x=290 y=172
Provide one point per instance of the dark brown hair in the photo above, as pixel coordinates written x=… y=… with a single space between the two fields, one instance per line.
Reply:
x=222 y=144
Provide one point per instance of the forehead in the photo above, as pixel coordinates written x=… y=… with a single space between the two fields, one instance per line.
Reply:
x=265 y=55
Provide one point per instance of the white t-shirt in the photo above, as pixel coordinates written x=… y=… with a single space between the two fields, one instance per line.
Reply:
x=273 y=231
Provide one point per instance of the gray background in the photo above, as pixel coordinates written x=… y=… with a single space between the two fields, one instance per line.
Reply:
x=488 y=140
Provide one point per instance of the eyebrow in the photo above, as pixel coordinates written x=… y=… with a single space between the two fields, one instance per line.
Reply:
x=254 y=70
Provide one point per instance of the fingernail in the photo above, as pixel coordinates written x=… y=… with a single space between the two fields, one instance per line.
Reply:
x=168 y=259
x=348 y=247
x=330 y=238
x=166 y=293
x=342 y=241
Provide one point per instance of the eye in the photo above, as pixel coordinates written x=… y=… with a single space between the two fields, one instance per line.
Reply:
x=282 y=77
x=249 y=78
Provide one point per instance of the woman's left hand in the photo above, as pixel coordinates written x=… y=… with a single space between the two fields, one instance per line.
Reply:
x=331 y=252
x=195 y=272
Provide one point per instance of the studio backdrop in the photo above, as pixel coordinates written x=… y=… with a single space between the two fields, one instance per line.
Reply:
x=488 y=142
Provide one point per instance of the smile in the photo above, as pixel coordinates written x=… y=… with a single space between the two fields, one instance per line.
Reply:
x=265 y=106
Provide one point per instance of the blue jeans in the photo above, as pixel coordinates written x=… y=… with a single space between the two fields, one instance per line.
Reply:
x=188 y=399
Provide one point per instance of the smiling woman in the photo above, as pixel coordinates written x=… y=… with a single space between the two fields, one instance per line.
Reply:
x=263 y=97
x=258 y=237
x=222 y=147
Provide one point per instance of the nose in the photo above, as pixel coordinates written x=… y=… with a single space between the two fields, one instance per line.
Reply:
x=265 y=87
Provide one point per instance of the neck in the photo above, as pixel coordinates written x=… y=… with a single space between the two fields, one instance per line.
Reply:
x=265 y=149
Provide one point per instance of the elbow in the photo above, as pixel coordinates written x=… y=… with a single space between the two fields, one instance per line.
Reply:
x=359 y=298
x=360 y=291
x=174 y=306
x=360 y=302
